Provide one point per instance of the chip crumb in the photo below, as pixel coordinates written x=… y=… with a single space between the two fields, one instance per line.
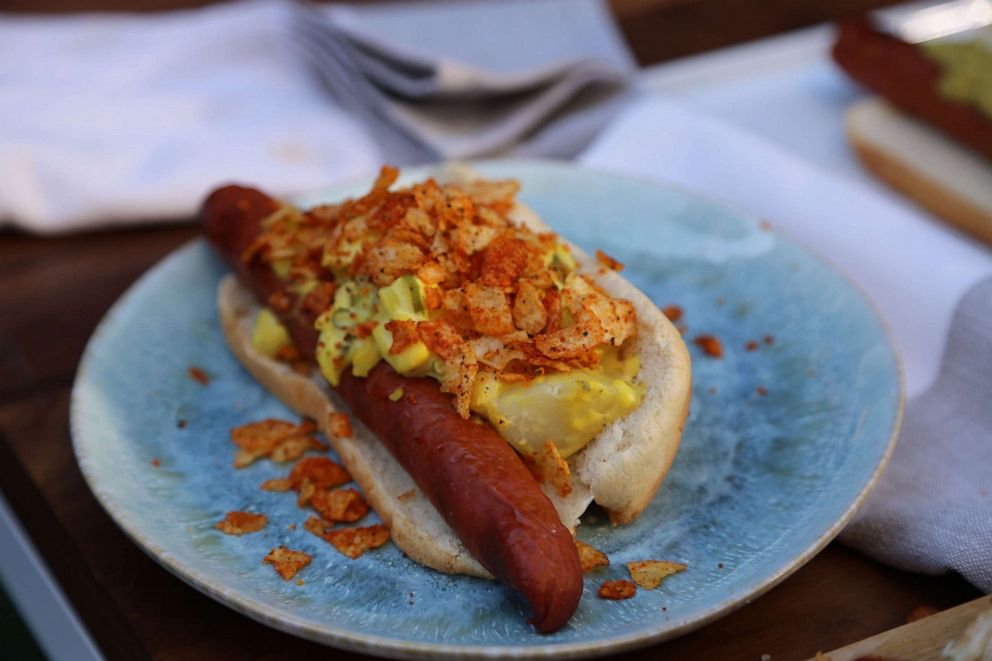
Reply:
x=765 y=225
x=287 y=562
x=278 y=439
x=396 y=395
x=293 y=448
x=549 y=466
x=278 y=484
x=768 y=339
x=307 y=489
x=761 y=390
x=617 y=590
x=339 y=425
x=590 y=558
x=750 y=345
x=766 y=657
x=710 y=345
x=712 y=390
x=921 y=612
x=291 y=526
x=407 y=495
x=648 y=574
x=198 y=375
x=353 y=542
x=321 y=471
x=156 y=462
x=673 y=312
x=300 y=581
x=317 y=526
x=820 y=656
x=241 y=523
x=181 y=423
x=608 y=262
x=346 y=505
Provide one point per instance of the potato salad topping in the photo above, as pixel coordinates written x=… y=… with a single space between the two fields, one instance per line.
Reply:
x=438 y=281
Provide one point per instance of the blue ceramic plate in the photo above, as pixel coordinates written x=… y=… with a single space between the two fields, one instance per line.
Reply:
x=782 y=444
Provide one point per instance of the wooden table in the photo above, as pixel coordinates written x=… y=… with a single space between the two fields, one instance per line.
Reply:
x=54 y=292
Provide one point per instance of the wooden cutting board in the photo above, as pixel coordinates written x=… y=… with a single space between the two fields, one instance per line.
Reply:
x=922 y=640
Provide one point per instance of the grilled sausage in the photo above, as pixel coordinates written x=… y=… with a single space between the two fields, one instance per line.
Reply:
x=471 y=475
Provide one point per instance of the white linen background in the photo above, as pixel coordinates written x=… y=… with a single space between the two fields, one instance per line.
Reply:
x=114 y=118
x=97 y=125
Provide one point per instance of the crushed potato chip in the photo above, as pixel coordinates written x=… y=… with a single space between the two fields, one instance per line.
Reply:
x=339 y=505
x=353 y=542
x=648 y=574
x=321 y=471
x=262 y=436
x=407 y=495
x=396 y=395
x=307 y=489
x=489 y=308
x=241 y=523
x=529 y=313
x=549 y=466
x=339 y=425
x=317 y=526
x=485 y=274
x=279 y=440
x=608 y=262
x=277 y=484
x=616 y=590
x=287 y=562
x=293 y=448
x=590 y=558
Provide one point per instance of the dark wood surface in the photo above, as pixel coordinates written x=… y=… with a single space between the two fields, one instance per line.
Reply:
x=54 y=292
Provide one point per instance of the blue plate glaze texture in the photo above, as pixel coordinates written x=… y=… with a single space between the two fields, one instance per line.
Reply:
x=762 y=481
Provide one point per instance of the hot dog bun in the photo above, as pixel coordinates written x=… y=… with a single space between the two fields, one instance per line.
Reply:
x=939 y=174
x=621 y=469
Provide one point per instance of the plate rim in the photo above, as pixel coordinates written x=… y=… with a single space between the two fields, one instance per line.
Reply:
x=398 y=648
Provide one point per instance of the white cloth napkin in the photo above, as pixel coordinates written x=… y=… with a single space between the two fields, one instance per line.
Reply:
x=111 y=118
x=932 y=509
x=435 y=80
x=118 y=118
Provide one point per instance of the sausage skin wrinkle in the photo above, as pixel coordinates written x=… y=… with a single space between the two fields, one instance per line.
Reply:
x=470 y=474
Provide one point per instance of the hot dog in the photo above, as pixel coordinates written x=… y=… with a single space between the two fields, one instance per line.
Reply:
x=903 y=74
x=517 y=535
x=455 y=446
x=929 y=132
